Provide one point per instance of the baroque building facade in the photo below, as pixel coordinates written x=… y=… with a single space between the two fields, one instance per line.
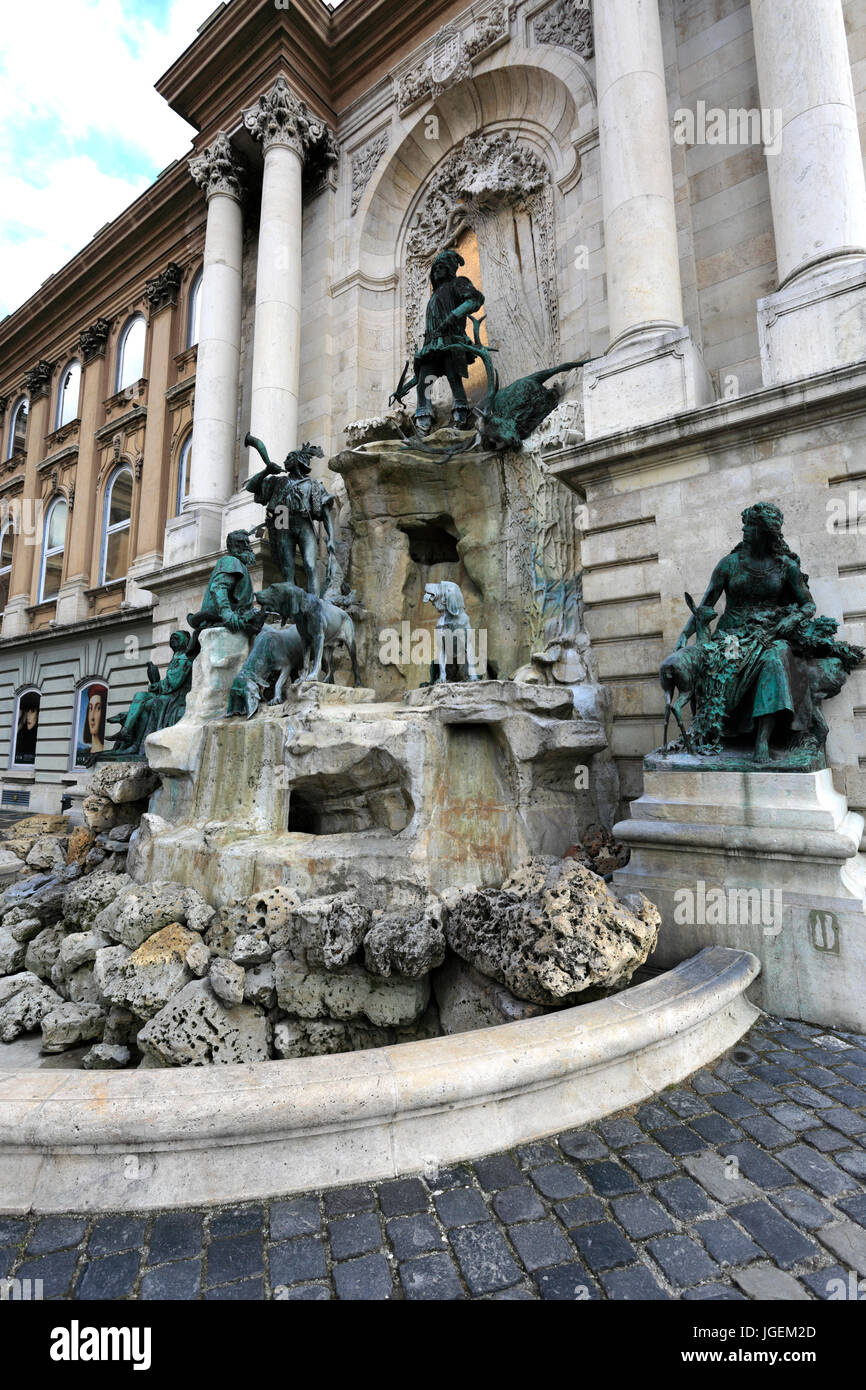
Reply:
x=673 y=189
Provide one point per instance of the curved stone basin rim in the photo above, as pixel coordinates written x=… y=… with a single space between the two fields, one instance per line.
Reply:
x=126 y=1141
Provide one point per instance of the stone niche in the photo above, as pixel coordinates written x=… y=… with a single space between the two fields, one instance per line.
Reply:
x=497 y=525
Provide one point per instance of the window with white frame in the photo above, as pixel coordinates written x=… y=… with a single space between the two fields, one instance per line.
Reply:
x=183 y=473
x=17 y=428
x=114 y=560
x=53 y=546
x=130 y=353
x=68 y=394
x=193 y=312
x=7 y=541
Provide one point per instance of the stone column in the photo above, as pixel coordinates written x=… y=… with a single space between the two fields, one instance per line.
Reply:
x=817 y=318
x=25 y=557
x=651 y=368
x=84 y=523
x=197 y=531
x=151 y=498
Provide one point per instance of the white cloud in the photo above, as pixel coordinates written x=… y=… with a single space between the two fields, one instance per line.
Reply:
x=81 y=129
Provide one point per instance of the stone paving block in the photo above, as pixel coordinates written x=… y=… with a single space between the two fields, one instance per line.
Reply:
x=845 y=1094
x=460 y=1207
x=729 y=1071
x=684 y=1261
x=450 y=1176
x=484 y=1258
x=715 y=1129
x=580 y=1212
x=619 y=1131
x=781 y=1240
x=684 y=1198
x=557 y=1181
x=649 y=1161
x=342 y=1201
x=365 y=1280
x=764 y=1283
x=802 y=1207
x=719 y=1177
x=298 y=1218
x=726 y=1242
x=431 y=1278
x=111 y=1277
x=679 y=1139
x=848 y=1242
x=653 y=1115
x=854 y=1162
x=758 y=1092
x=603 y=1246
x=635 y=1284
x=12 y=1232
x=174 y=1282
x=113 y=1234
x=855 y=1207
x=518 y=1204
x=609 y=1179
x=733 y=1105
x=808 y=1096
x=773 y=1074
x=582 y=1143
x=236 y=1221
x=539 y=1244
x=706 y=1084
x=685 y=1104
x=537 y=1154
x=767 y=1131
x=354 y=1235
x=826 y=1141
x=306 y=1293
x=55 y=1271
x=817 y=1170
x=566 y=1284
x=239 y=1258
x=55 y=1233
x=642 y=1216
x=297 y=1261
x=759 y=1167
x=817 y=1076
x=847 y=1121
x=713 y=1293
x=498 y=1172
x=241 y=1291
x=834 y=1283
x=518 y=1294
x=412 y=1235
x=403 y=1196
x=794 y=1116
x=175 y=1236
x=8 y=1256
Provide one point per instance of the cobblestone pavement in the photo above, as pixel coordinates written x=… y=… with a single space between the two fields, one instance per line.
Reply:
x=747 y=1181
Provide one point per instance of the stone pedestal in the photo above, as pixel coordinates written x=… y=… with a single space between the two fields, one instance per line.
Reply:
x=767 y=862
x=815 y=323
x=643 y=379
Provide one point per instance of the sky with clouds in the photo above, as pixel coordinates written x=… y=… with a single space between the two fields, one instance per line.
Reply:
x=82 y=132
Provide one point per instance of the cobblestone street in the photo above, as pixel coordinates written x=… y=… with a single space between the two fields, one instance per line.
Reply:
x=746 y=1182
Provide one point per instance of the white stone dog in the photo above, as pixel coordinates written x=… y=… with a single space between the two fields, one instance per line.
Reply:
x=447 y=599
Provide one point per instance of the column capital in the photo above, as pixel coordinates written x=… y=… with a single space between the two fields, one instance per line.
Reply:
x=281 y=118
x=92 y=340
x=161 y=289
x=38 y=379
x=4 y=401
x=218 y=169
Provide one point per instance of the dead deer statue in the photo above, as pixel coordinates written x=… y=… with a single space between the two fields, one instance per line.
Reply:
x=680 y=670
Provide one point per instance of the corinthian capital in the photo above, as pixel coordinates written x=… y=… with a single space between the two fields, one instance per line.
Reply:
x=281 y=118
x=217 y=169
x=38 y=379
x=92 y=340
x=161 y=289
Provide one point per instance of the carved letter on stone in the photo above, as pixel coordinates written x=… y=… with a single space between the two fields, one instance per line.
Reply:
x=217 y=169
x=364 y=162
x=567 y=23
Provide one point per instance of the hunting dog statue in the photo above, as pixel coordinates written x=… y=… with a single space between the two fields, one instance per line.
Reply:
x=276 y=652
x=320 y=623
x=454 y=641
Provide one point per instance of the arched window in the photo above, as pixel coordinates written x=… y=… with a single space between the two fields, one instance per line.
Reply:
x=53 y=545
x=88 y=730
x=68 y=394
x=25 y=728
x=193 y=312
x=130 y=353
x=114 y=561
x=183 y=473
x=7 y=540
x=17 y=427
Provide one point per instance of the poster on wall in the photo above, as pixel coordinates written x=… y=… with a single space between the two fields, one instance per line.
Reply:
x=26 y=729
x=90 y=722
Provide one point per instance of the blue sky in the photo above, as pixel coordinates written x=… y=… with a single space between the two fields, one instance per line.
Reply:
x=82 y=132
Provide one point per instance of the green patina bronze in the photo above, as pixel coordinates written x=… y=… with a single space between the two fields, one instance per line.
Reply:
x=229 y=599
x=758 y=680
x=158 y=707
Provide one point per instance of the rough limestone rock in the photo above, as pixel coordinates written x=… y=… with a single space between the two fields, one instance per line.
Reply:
x=260 y=985
x=47 y=902
x=120 y=1024
x=124 y=782
x=251 y=949
x=108 y=970
x=147 y=908
x=69 y=1025
x=106 y=1057
x=25 y=929
x=24 y=889
x=49 y=852
x=351 y=994
x=227 y=981
x=100 y=813
x=198 y=959
x=12 y=952
x=154 y=972
x=468 y=1000
x=10 y=864
x=195 y=1028
x=20 y=838
x=271 y=912
x=13 y=984
x=43 y=950
x=81 y=842
x=26 y=1009
x=552 y=931
x=80 y=986
x=409 y=945
x=83 y=902
x=79 y=948
x=327 y=933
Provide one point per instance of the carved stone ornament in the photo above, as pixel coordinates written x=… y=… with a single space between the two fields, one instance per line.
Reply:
x=451 y=57
x=567 y=23
x=38 y=379
x=161 y=289
x=281 y=118
x=4 y=401
x=92 y=340
x=217 y=169
x=364 y=162
x=499 y=188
